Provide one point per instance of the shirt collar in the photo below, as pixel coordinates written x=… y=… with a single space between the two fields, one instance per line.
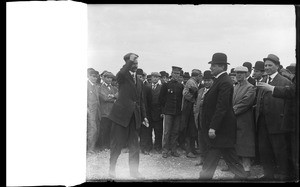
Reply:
x=132 y=73
x=273 y=75
x=220 y=74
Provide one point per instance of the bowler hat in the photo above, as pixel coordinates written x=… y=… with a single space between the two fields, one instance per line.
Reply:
x=232 y=73
x=186 y=75
x=219 y=58
x=259 y=65
x=248 y=65
x=273 y=58
x=241 y=69
x=139 y=71
x=207 y=75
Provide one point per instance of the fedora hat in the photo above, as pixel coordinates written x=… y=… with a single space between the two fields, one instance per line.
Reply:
x=219 y=58
x=259 y=65
x=273 y=58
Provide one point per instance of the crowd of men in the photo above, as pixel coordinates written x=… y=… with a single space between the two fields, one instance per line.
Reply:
x=243 y=117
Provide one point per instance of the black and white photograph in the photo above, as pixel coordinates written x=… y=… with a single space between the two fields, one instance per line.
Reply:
x=175 y=93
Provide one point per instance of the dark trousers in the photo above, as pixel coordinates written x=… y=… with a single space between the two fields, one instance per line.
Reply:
x=158 y=132
x=201 y=143
x=146 y=142
x=212 y=158
x=273 y=151
x=119 y=137
x=170 y=132
x=105 y=127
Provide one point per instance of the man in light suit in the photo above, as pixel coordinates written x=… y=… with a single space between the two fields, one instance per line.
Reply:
x=219 y=122
x=127 y=115
x=108 y=95
x=272 y=136
x=93 y=111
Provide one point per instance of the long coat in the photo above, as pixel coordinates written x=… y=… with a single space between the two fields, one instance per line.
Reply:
x=187 y=116
x=130 y=99
x=272 y=107
x=243 y=99
x=217 y=113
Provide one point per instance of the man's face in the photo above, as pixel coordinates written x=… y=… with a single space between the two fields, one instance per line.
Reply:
x=175 y=75
x=107 y=80
x=216 y=69
x=93 y=78
x=270 y=67
x=154 y=79
x=233 y=78
x=257 y=74
x=134 y=66
x=240 y=76
x=140 y=77
x=207 y=83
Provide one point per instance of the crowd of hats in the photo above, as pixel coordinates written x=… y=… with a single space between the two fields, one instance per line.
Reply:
x=217 y=58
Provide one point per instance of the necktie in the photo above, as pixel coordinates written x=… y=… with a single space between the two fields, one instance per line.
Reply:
x=153 y=86
x=133 y=78
x=270 y=80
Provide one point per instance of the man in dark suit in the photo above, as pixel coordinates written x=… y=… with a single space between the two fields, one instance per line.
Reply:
x=219 y=122
x=170 y=98
x=272 y=136
x=146 y=143
x=127 y=115
x=155 y=118
x=249 y=78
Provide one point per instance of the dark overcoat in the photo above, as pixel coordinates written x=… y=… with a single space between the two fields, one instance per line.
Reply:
x=217 y=113
x=130 y=99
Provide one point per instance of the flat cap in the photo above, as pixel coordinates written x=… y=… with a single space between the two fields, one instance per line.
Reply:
x=130 y=56
x=108 y=74
x=176 y=68
x=155 y=74
x=186 y=75
x=241 y=69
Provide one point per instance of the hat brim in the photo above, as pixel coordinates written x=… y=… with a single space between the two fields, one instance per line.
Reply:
x=275 y=62
x=213 y=62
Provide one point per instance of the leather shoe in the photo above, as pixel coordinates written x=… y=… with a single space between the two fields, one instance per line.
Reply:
x=112 y=174
x=175 y=154
x=165 y=155
x=145 y=152
x=137 y=175
x=191 y=155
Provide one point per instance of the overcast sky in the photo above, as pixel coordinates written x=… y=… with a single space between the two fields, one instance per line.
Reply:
x=188 y=35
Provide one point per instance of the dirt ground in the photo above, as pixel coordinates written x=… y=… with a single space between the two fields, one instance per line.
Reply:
x=156 y=168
